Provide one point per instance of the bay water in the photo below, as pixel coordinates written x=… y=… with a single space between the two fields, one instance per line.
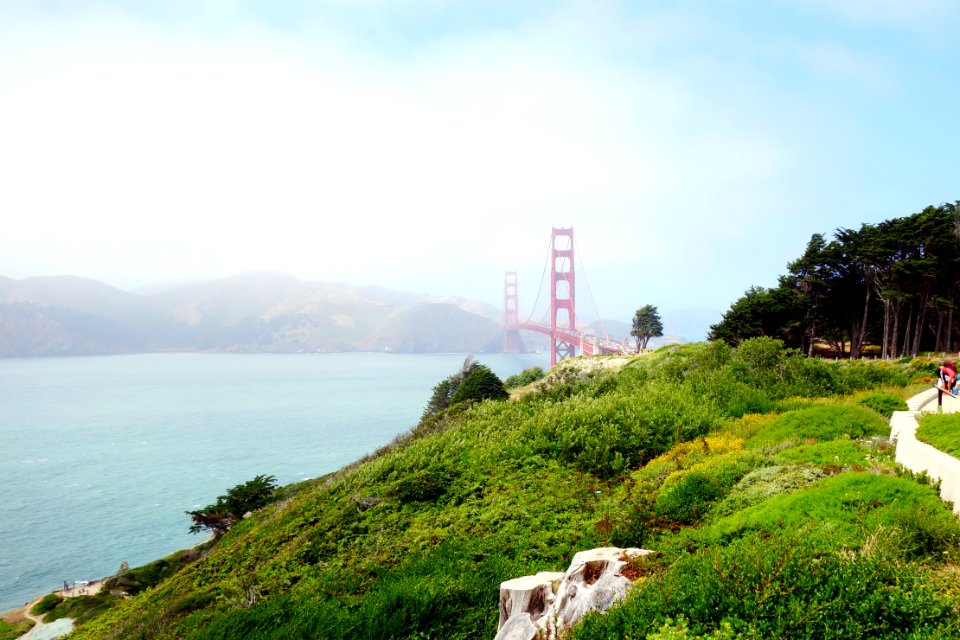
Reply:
x=101 y=456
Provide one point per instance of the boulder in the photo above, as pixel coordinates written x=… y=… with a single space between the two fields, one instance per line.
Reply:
x=544 y=606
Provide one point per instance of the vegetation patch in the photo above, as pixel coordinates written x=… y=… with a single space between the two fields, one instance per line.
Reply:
x=687 y=496
x=46 y=604
x=525 y=377
x=848 y=504
x=808 y=532
x=822 y=423
x=835 y=455
x=780 y=586
x=12 y=630
x=761 y=484
x=941 y=431
x=135 y=580
x=883 y=403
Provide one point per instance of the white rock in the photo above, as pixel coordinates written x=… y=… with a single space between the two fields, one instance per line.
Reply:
x=544 y=606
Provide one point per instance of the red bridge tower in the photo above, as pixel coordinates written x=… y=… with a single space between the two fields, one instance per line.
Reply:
x=563 y=312
x=511 y=314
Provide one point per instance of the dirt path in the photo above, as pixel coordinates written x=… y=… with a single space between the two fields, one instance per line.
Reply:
x=43 y=630
x=58 y=628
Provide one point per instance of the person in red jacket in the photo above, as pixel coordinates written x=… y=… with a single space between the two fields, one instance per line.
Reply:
x=948 y=377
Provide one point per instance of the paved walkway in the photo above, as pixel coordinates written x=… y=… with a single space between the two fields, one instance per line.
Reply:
x=919 y=456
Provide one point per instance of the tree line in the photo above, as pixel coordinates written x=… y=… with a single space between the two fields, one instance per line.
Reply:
x=890 y=289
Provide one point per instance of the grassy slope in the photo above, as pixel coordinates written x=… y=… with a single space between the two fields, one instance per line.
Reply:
x=941 y=431
x=666 y=454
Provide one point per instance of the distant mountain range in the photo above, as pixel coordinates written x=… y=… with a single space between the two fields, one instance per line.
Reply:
x=253 y=312
x=256 y=312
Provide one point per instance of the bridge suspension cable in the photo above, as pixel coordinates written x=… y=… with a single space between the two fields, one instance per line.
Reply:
x=543 y=277
x=593 y=300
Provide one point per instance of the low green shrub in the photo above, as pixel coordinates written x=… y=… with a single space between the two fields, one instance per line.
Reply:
x=735 y=397
x=10 y=631
x=766 y=482
x=689 y=499
x=823 y=422
x=679 y=630
x=859 y=376
x=444 y=593
x=941 y=431
x=423 y=485
x=849 y=503
x=780 y=586
x=925 y=531
x=610 y=434
x=47 y=603
x=833 y=454
x=883 y=403
x=524 y=378
x=82 y=608
x=687 y=496
x=138 y=579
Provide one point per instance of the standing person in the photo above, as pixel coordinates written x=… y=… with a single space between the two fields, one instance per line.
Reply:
x=948 y=377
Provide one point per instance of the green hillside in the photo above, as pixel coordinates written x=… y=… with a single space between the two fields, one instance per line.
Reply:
x=763 y=480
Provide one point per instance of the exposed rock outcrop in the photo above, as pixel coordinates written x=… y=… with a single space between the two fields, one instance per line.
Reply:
x=544 y=606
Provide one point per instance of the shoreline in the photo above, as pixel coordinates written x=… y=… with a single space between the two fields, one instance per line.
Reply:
x=18 y=614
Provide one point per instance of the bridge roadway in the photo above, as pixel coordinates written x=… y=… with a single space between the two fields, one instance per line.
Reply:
x=587 y=343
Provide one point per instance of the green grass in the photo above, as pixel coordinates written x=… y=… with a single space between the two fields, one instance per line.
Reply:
x=941 y=431
x=10 y=631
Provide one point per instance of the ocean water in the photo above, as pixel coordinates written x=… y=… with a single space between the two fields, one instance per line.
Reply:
x=101 y=456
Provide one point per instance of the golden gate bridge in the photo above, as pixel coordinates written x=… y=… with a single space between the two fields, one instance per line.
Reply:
x=566 y=340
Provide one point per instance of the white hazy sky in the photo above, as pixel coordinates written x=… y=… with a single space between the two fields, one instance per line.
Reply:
x=429 y=145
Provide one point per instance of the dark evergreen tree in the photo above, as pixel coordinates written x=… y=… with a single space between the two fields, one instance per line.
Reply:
x=443 y=392
x=480 y=384
x=228 y=509
x=892 y=285
x=646 y=325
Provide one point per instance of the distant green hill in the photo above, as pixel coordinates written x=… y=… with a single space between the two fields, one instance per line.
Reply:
x=763 y=481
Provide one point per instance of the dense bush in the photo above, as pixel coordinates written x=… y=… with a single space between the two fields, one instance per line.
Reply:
x=825 y=422
x=137 y=579
x=474 y=381
x=859 y=376
x=687 y=496
x=479 y=384
x=615 y=432
x=850 y=502
x=761 y=484
x=781 y=586
x=424 y=485
x=46 y=603
x=524 y=378
x=884 y=403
